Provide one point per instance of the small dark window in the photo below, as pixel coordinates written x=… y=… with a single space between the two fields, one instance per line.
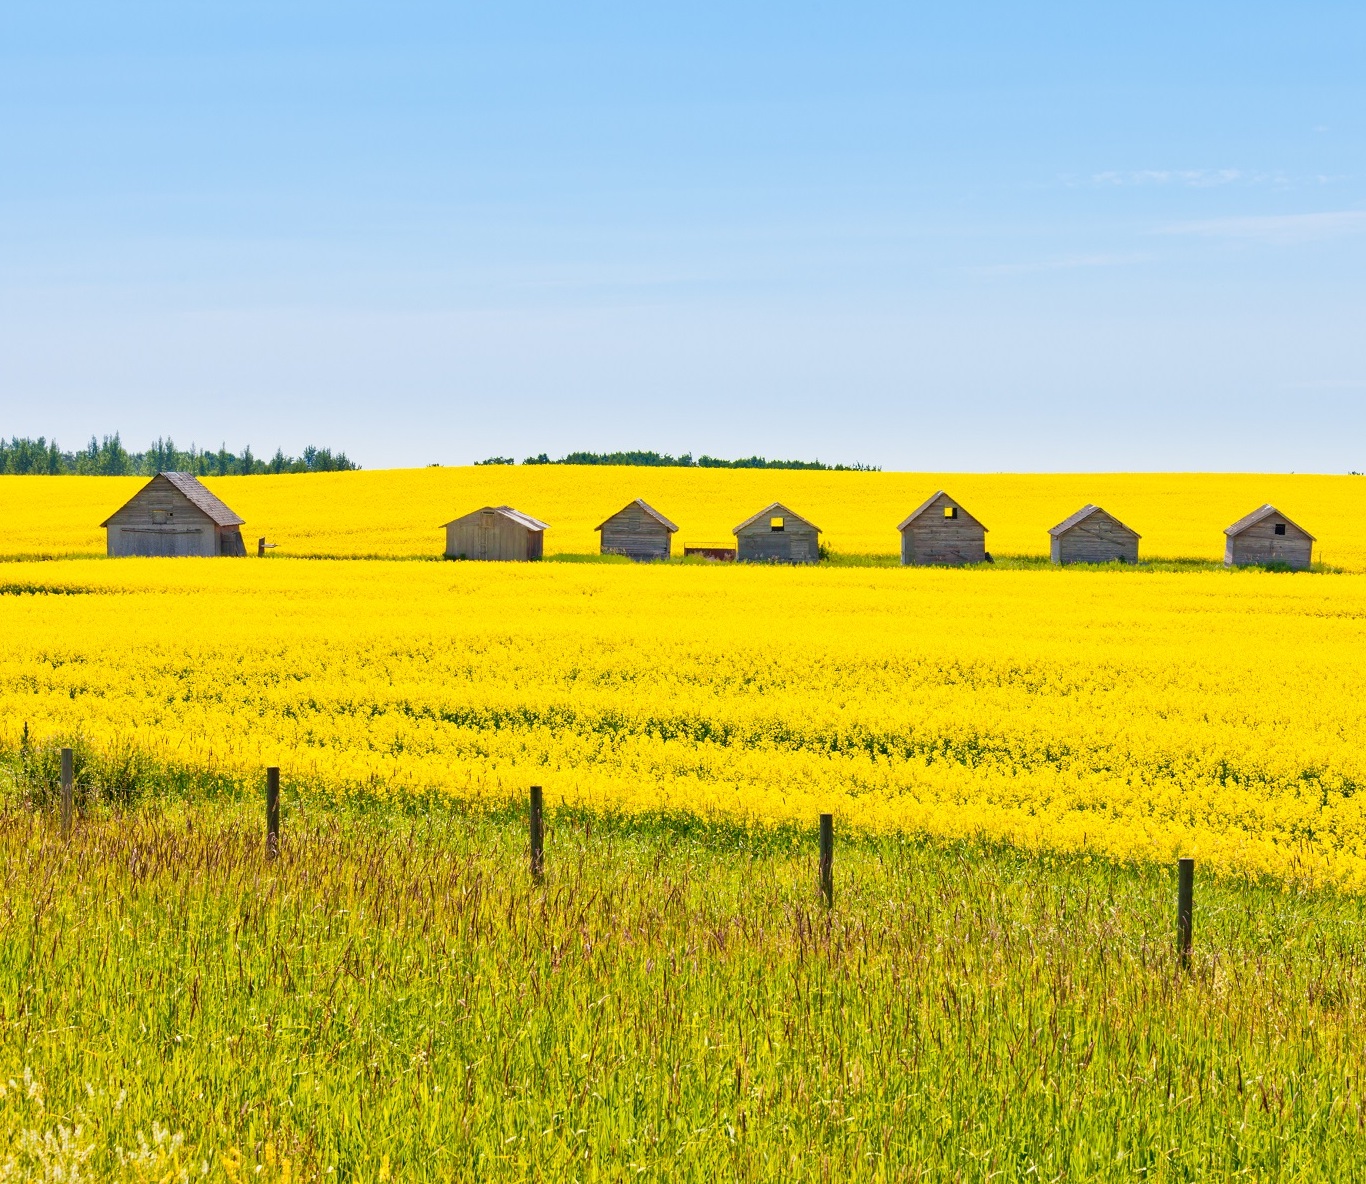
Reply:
x=775 y=524
x=1280 y=527
x=950 y=511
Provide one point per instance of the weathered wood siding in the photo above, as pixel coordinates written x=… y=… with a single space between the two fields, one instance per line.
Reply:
x=1098 y=539
x=160 y=520
x=1260 y=544
x=795 y=543
x=934 y=539
x=230 y=541
x=488 y=535
x=635 y=533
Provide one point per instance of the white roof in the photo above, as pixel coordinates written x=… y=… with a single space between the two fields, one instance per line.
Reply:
x=523 y=520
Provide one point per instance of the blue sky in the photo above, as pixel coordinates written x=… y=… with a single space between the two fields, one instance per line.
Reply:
x=967 y=236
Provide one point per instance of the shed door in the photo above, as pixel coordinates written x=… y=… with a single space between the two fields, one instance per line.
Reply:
x=180 y=542
x=162 y=543
x=484 y=547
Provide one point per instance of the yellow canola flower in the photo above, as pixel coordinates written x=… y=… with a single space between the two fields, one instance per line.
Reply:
x=1137 y=714
x=399 y=512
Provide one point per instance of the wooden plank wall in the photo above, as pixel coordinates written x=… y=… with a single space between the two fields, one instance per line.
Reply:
x=760 y=543
x=932 y=538
x=634 y=533
x=126 y=541
x=1261 y=544
x=1097 y=539
x=160 y=520
x=489 y=535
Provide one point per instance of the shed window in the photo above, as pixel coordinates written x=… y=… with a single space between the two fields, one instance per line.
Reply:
x=1280 y=527
x=950 y=511
x=775 y=524
x=159 y=517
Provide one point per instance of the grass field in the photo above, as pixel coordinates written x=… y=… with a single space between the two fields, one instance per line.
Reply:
x=398 y=513
x=396 y=998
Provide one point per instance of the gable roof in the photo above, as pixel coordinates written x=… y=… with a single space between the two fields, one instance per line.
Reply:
x=190 y=488
x=650 y=510
x=1082 y=515
x=934 y=497
x=1261 y=514
x=524 y=520
x=775 y=510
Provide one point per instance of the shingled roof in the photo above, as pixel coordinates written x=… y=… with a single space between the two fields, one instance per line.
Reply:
x=1082 y=515
x=925 y=505
x=650 y=510
x=776 y=509
x=213 y=506
x=199 y=497
x=507 y=512
x=1261 y=515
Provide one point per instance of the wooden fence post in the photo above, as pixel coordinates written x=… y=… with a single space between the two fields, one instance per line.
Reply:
x=827 y=872
x=537 y=833
x=272 y=812
x=1185 y=901
x=68 y=792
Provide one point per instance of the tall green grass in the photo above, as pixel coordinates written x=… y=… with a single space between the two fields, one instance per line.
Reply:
x=396 y=998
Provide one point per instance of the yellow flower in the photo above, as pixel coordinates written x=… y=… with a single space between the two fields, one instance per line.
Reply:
x=1130 y=714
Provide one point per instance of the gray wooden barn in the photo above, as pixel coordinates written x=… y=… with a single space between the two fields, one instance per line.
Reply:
x=496 y=532
x=1093 y=536
x=942 y=532
x=173 y=514
x=776 y=535
x=638 y=531
x=1267 y=536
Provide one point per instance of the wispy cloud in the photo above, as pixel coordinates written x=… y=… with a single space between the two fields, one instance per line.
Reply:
x=1191 y=178
x=1197 y=179
x=1277 y=228
x=1066 y=263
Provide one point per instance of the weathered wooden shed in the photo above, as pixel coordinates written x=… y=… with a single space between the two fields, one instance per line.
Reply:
x=496 y=532
x=638 y=531
x=1267 y=536
x=173 y=514
x=941 y=531
x=776 y=535
x=1093 y=536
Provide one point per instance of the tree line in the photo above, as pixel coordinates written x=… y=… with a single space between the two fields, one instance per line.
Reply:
x=109 y=458
x=685 y=461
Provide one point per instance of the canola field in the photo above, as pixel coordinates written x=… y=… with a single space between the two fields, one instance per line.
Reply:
x=1014 y=754
x=1129 y=713
x=398 y=513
